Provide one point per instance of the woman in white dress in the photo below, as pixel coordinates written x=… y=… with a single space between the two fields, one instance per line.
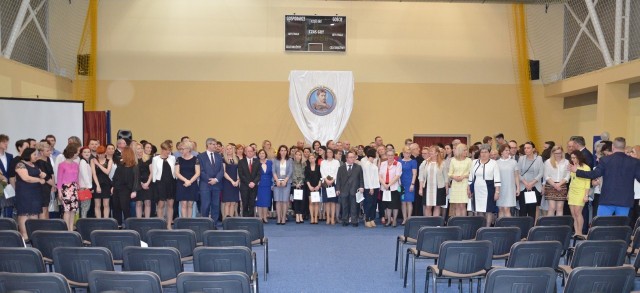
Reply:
x=484 y=184
x=433 y=180
x=509 y=181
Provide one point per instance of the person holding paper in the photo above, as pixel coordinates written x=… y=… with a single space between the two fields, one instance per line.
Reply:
x=433 y=180
x=349 y=182
x=485 y=179
x=371 y=187
x=578 y=191
x=459 y=169
x=329 y=170
x=389 y=176
x=313 y=180
x=297 y=180
x=282 y=172
x=531 y=170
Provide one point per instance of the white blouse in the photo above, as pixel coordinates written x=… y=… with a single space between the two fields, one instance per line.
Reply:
x=84 y=175
x=487 y=171
x=156 y=165
x=558 y=173
x=370 y=174
x=329 y=168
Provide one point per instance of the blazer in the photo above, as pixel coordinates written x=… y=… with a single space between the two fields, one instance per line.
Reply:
x=247 y=176
x=349 y=182
x=288 y=172
x=588 y=157
x=5 y=169
x=208 y=170
x=156 y=169
x=618 y=172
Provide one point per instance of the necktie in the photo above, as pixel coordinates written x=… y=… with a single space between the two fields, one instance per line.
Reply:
x=349 y=168
x=231 y=161
x=249 y=165
x=212 y=160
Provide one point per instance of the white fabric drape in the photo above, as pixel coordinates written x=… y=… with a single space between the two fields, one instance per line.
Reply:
x=312 y=125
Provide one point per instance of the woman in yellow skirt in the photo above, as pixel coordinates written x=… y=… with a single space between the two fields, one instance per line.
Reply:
x=578 y=191
x=459 y=173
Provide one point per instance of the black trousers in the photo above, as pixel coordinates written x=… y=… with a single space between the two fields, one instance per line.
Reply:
x=248 y=197
x=529 y=210
x=121 y=205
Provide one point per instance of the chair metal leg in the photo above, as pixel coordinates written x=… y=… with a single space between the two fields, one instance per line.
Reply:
x=401 y=259
x=470 y=285
x=397 y=252
x=460 y=285
x=406 y=269
x=435 y=285
x=413 y=277
x=255 y=287
x=426 y=283
x=266 y=259
x=479 y=284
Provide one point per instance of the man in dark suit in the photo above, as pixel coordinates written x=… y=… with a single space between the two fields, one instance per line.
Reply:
x=349 y=181
x=211 y=174
x=5 y=162
x=249 y=173
x=618 y=172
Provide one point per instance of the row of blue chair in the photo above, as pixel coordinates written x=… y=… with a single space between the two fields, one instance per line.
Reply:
x=134 y=282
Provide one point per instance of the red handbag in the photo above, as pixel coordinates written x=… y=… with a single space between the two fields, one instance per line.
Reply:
x=84 y=194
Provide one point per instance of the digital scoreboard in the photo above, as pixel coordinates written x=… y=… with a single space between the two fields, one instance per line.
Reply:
x=312 y=33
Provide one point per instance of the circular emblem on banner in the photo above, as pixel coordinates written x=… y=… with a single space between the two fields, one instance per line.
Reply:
x=321 y=100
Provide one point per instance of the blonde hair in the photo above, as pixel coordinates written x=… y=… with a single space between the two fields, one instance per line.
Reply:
x=42 y=145
x=459 y=151
x=439 y=155
x=552 y=158
x=187 y=145
x=228 y=158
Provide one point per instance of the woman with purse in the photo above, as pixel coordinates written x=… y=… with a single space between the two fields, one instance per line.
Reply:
x=313 y=179
x=389 y=176
x=85 y=182
x=67 y=175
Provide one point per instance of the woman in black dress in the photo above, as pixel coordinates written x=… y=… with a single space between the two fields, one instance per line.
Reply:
x=125 y=185
x=143 y=197
x=313 y=178
x=230 y=189
x=101 y=168
x=29 y=181
x=44 y=164
x=163 y=177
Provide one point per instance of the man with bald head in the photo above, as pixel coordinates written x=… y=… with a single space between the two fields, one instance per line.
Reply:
x=249 y=173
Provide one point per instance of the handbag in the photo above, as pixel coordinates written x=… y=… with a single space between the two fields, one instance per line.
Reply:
x=53 y=203
x=84 y=194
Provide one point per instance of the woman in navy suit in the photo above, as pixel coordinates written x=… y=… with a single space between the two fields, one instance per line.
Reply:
x=265 y=186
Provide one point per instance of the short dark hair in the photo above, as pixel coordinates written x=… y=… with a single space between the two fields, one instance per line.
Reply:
x=218 y=143
x=371 y=153
x=50 y=136
x=19 y=143
x=486 y=139
x=503 y=147
x=4 y=137
x=579 y=140
x=499 y=136
x=70 y=150
x=184 y=137
x=579 y=157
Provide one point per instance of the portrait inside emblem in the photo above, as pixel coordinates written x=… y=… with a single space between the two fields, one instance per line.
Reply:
x=321 y=101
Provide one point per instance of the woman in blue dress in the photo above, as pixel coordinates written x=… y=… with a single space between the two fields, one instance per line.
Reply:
x=187 y=172
x=263 y=200
x=230 y=191
x=407 y=179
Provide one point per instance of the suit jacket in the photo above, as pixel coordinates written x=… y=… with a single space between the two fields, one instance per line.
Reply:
x=588 y=157
x=245 y=176
x=288 y=172
x=349 y=182
x=5 y=169
x=209 y=171
x=618 y=172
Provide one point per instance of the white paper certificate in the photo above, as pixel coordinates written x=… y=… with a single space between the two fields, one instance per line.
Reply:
x=331 y=192
x=297 y=194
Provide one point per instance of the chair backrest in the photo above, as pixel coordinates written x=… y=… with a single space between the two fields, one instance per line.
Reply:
x=599 y=253
x=465 y=257
x=551 y=233
x=469 y=225
x=430 y=238
x=183 y=239
x=224 y=238
x=502 y=238
x=610 y=233
x=253 y=225
x=636 y=263
x=600 y=280
x=115 y=241
x=21 y=260
x=164 y=261
x=8 y=224
x=524 y=223
x=610 y=221
x=130 y=282
x=75 y=263
x=34 y=282
x=87 y=225
x=11 y=238
x=237 y=282
x=197 y=225
x=516 y=280
x=414 y=224
x=143 y=225
x=33 y=225
x=535 y=254
x=555 y=221
x=223 y=259
x=46 y=241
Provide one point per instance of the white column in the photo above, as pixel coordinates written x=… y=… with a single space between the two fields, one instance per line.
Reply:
x=617 y=33
x=598 y=29
x=13 y=36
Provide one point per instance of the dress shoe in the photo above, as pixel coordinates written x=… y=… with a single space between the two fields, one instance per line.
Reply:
x=355 y=224
x=345 y=224
x=368 y=224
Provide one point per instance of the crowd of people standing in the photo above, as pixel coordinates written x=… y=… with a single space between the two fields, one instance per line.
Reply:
x=334 y=182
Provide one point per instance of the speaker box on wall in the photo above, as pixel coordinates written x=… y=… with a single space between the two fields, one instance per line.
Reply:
x=125 y=134
x=534 y=69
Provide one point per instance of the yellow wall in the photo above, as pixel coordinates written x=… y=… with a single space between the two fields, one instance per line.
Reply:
x=23 y=81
